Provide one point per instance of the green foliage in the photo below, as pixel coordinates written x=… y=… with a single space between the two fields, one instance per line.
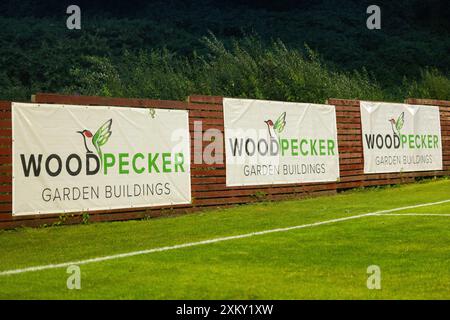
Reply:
x=62 y=218
x=432 y=84
x=85 y=218
x=158 y=74
x=260 y=195
x=152 y=49
x=250 y=69
x=96 y=76
x=246 y=69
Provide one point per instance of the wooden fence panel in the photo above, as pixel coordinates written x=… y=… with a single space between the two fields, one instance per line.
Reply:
x=349 y=134
x=5 y=161
x=208 y=180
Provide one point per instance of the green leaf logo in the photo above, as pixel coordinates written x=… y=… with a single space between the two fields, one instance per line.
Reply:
x=397 y=125
x=99 y=139
x=276 y=128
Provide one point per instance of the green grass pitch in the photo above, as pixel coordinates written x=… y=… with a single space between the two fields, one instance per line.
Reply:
x=326 y=261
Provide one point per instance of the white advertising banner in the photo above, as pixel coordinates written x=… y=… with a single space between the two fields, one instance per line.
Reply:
x=271 y=142
x=70 y=158
x=400 y=137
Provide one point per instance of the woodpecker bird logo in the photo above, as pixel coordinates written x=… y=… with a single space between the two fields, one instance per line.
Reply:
x=397 y=125
x=277 y=127
x=98 y=139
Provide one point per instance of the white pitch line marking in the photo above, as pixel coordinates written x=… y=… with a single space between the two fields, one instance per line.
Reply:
x=414 y=214
x=215 y=240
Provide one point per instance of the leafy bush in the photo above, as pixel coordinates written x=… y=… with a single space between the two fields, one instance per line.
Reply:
x=247 y=69
x=38 y=52
x=158 y=74
x=96 y=76
x=431 y=85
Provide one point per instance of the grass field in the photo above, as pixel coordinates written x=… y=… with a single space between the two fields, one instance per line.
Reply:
x=327 y=261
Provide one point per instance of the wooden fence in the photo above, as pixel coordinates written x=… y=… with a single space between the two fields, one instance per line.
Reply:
x=208 y=180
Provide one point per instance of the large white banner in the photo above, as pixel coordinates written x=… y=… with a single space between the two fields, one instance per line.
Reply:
x=76 y=158
x=271 y=142
x=400 y=137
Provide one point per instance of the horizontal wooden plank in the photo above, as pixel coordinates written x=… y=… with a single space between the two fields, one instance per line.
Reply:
x=203 y=127
x=5 y=150
x=345 y=131
x=356 y=125
x=343 y=102
x=205 y=165
x=222 y=186
x=261 y=193
x=5 y=105
x=107 y=101
x=5 y=197
x=206 y=121
x=346 y=119
x=349 y=143
x=5 y=207
x=351 y=108
x=205 y=107
x=347 y=114
x=346 y=155
x=6 y=169
x=4 y=179
x=206 y=114
x=431 y=102
x=5 y=159
x=205 y=99
x=349 y=138
x=4 y=133
x=5 y=123
x=352 y=149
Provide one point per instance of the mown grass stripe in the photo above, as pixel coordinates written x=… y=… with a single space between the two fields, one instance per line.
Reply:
x=210 y=241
